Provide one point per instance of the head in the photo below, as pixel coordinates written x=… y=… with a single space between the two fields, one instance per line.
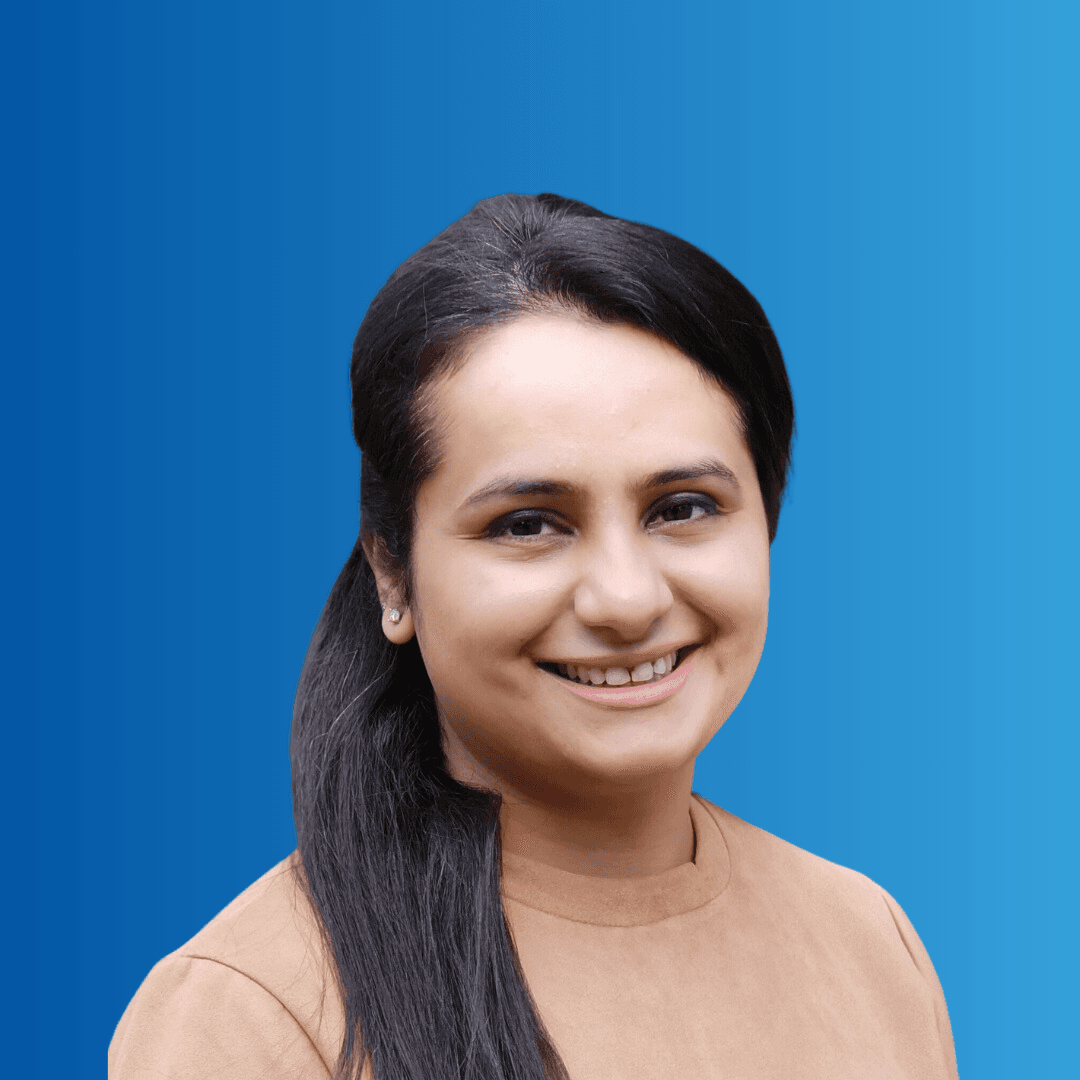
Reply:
x=582 y=355
x=523 y=531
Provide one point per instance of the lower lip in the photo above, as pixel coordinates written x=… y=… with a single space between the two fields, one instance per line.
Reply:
x=632 y=697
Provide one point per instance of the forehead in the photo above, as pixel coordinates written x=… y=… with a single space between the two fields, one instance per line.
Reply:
x=557 y=393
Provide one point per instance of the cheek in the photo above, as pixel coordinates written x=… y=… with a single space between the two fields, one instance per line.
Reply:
x=731 y=585
x=475 y=611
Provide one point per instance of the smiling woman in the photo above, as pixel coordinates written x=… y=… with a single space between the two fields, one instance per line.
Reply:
x=581 y=530
x=575 y=435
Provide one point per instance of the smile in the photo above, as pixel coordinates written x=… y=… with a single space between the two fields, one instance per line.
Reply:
x=618 y=687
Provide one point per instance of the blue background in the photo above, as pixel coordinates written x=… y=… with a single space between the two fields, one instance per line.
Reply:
x=202 y=198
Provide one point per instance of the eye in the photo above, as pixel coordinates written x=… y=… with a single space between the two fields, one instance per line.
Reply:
x=683 y=508
x=524 y=524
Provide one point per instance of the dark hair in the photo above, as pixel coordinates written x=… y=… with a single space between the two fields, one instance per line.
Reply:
x=402 y=862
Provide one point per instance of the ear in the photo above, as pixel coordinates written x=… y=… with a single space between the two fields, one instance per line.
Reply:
x=387 y=577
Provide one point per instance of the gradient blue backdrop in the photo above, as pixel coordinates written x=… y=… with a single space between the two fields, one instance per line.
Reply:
x=202 y=199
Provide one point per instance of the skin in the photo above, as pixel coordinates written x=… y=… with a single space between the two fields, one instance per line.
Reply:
x=610 y=569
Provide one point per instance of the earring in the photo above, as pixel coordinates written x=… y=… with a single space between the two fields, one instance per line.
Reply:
x=394 y=615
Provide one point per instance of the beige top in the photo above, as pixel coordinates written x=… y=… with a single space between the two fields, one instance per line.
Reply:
x=757 y=960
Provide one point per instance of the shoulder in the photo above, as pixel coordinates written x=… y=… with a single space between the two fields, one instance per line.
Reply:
x=763 y=862
x=250 y=994
x=809 y=889
x=823 y=908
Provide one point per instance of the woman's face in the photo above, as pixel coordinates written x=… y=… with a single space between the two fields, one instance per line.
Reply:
x=594 y=511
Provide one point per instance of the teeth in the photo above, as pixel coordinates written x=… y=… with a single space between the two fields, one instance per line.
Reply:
x=620 y=676
x=664 y=665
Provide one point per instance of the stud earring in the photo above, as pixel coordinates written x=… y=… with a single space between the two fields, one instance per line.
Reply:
x=394 y=615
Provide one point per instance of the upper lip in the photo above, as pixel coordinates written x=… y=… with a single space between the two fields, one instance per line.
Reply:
x=626 y=660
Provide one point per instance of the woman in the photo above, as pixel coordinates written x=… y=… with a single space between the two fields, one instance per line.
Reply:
x=575 y=435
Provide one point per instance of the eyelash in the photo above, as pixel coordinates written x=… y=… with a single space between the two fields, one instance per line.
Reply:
x=501 y=526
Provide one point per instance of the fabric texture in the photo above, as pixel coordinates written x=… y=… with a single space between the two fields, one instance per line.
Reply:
x=757 y=960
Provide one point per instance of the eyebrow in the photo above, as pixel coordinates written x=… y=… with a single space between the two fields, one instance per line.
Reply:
x=700 y=469
x=511 y=487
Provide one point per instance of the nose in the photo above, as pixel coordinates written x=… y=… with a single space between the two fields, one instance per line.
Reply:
x=622 y=591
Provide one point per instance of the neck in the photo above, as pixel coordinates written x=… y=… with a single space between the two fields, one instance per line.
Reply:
x=602 y=830
x=639 y=834
x=601 y=827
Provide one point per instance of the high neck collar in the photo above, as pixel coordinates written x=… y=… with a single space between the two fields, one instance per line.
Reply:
x=606 y=901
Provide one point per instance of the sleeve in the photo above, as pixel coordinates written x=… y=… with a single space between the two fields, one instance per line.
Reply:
x=921 y=959
x=198 y=1019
